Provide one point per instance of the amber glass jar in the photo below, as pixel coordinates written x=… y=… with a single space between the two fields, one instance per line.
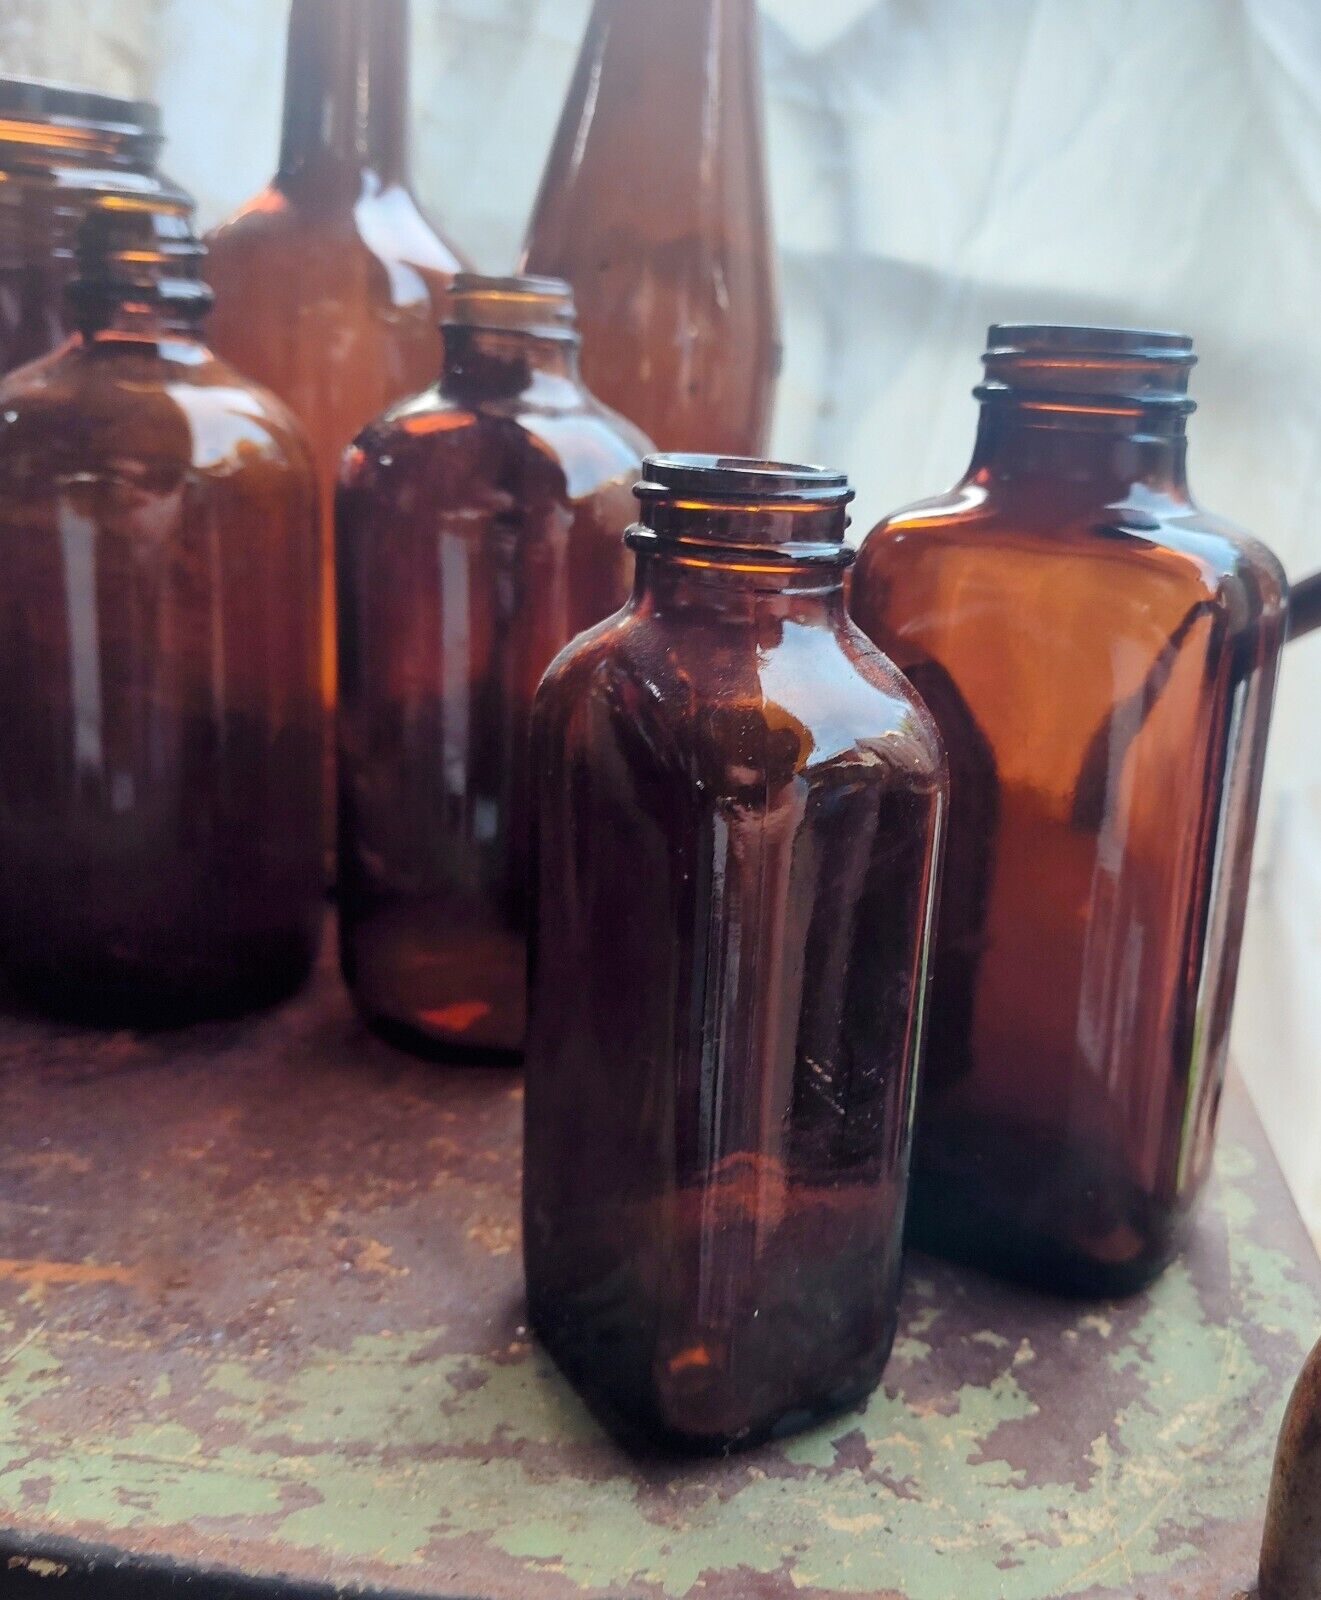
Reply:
x=60 y=148
x=1100 y=655
x=654 y=207
x=160 y=727
x=479 y=530
x=329 y=283
x=737 y=803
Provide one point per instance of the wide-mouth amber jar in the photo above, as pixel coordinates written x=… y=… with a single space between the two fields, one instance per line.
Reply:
x=60 y=149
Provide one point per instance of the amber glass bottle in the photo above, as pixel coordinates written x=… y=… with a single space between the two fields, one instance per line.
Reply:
x=1100 y=655
x=60 y=148
x=737 y=803
x=479 y=530
x=654 y=207
x=160 y=728
x=329 y=284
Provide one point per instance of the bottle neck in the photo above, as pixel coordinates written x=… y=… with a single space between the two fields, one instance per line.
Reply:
x=1106 y=457
x=672 y=584
x=483 y=364
x=346 y=96
x=139 y=273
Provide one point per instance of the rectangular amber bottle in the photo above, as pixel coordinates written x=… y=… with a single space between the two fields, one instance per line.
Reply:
x=737 y=808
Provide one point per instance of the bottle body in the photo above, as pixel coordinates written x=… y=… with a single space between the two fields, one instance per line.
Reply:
x=1101 y=658
x=479 y=530
x=329 y=284
x=654 y=207
x=160 y=729
x=736 y=816
x=60 y=149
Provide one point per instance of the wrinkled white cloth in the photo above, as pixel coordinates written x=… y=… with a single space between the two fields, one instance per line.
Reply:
x=937 y=165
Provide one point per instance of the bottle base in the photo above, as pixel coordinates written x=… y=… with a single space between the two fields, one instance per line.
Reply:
x=153 y=995
x=443 y=1049
x=954 y=1217
x=613 y=1377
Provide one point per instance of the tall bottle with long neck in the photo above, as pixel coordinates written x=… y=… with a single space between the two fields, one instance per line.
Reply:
x=329 y=283
x=654 y=207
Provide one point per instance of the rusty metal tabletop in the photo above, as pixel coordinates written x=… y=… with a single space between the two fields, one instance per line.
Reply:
x=261 y=1332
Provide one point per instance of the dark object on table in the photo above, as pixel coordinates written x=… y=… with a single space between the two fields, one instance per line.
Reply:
x=480 y=528
x=736 y=817
x=329 y=283
x=160 y=733
x=61 y=148
x=1101 y=657
x=1291 y=1549
x=653 y=206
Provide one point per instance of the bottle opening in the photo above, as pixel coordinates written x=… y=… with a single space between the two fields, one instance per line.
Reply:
x=1119 y=368
x=772 y=513
x=543 y=307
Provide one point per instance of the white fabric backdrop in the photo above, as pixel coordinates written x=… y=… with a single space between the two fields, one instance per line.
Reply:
x=937 y=165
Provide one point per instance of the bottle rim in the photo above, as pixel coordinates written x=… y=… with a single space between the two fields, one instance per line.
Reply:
x=539 y=306
x=740 y=480
x=1083 y=339
x=44 y=100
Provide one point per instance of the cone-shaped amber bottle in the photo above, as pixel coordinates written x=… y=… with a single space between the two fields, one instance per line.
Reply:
x=1101 y=657
x=160 y=725
x=654 y=208
x=328 y=284
x=480 y=528
x=737 y=804
x=60 y=148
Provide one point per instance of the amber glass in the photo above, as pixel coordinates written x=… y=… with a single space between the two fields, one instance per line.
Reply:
x=1100 y=655
x=160 y=726
x=329 y=283
x=737 y=804
x=479 y=530
x=653 y=206
x=60 y=148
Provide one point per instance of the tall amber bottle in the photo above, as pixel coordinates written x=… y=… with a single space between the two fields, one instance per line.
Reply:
x=329 y=283
x=60 y=149
x=736 y=818
x=160 y=726
x=479 y=530
x=1101 y=657
x=653 y=206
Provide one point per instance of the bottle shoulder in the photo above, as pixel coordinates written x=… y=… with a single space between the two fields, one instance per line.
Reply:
x=973 y=533
x=434 y=430
x=802 y=706
x=167 y=400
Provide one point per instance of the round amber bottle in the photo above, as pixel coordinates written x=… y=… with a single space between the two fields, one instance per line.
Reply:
x=160 y=727
x=1100 y=655
x=60 y=148
x=329 y=284
x=736 y=820
x=479 y=530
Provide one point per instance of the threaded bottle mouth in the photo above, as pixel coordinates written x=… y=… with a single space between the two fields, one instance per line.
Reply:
x=735 y=509
x=542 y=307
x=1116 y=369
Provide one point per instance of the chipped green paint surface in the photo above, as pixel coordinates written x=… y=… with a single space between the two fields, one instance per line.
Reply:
x=259 y=1311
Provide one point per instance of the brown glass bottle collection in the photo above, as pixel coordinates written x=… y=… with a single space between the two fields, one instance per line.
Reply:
x=738 y=803
x=695 y=872
x=653 y=206
x=479 y=530
x=60 y=149
x=329 y=283
x=160 y=728
x=1101 y=656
